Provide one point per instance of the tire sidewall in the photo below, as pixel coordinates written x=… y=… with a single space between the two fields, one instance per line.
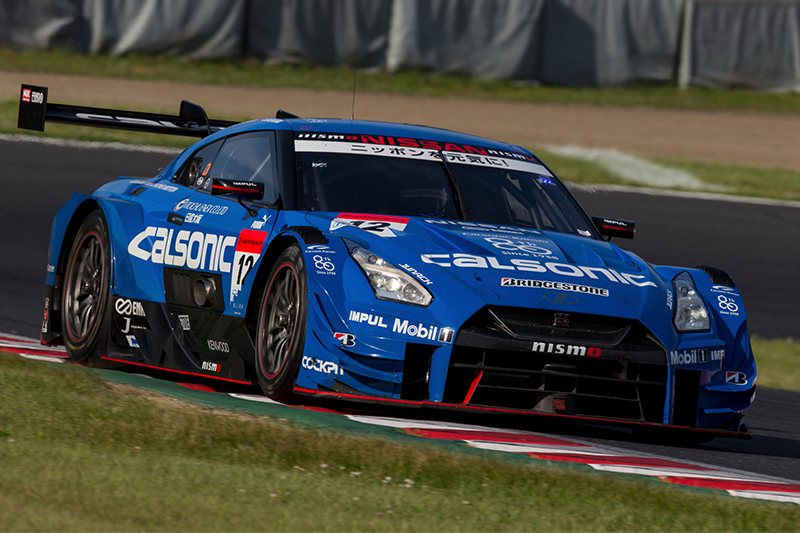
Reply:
x=280 y=385
x=83 y=349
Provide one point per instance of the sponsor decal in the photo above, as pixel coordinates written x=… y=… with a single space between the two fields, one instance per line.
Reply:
x=345 y=339
x=193 y=249
x=193 y=218
x=483 y=227
x=46 y=313
x=212 y=367
x=131 y=313
x=388 y=146
x=416 y=273
x=247 y=251
x=31 y=96
x=561 y=320
x=737 y=378
x=383 y=225
x=724 y=289
x=422 y=331
x=326 y=367
x=258 y=224
x=127 y=120
x=126 y=307
x=324 y=265
x=51 y=268
x=669 y=298
x=211 y=209
x=185 y=323
x=537 y=284
x=319 y=248
x=218 y=346
x=446 y=335
x=520 y=247
x=132 y=342
x=695 y=356
x=529 y=265
x=161 y=186
x=557 y=348
x=372 y=320
x=727 y=305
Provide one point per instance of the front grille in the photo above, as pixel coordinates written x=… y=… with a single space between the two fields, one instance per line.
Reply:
x=493 y=365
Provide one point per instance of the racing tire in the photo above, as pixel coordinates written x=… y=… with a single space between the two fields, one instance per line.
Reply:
x=281 y=331
x=85 y=312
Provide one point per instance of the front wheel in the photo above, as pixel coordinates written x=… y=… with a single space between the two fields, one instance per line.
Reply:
x=282 y=325
x=84 y=310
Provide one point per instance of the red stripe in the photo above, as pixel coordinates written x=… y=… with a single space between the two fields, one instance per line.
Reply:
x=491 y=436
x=471 y=391
x=198 y=386
x=31 y=352
x=177 y=371
x=615 y=460
x=731 y=485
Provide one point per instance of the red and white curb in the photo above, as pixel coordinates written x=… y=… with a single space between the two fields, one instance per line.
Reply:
x=535 y=445
x=607 y=459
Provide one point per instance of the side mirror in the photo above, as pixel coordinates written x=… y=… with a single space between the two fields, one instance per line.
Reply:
x=242 y=189
x=612 y=227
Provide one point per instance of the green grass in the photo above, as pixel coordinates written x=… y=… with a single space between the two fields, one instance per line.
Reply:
x=80 y=454
x=778 y=363
x=252 y=72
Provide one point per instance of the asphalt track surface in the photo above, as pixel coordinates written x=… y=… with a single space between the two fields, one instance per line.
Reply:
x=754 y=243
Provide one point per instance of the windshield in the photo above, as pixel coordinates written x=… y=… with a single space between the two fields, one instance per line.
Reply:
x=504 y=192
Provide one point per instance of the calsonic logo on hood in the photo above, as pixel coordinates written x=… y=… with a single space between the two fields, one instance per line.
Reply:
x=378 y=224
x=529 y=265
x=193 y=249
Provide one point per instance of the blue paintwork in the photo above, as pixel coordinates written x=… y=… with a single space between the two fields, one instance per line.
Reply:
x=461 y=284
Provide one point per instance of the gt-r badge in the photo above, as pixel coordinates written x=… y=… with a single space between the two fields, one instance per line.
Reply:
x=345 y=339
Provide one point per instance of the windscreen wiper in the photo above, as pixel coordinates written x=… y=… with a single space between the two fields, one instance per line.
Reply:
x=461 y=206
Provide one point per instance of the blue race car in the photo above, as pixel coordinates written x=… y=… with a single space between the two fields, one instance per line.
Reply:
x=385 y=263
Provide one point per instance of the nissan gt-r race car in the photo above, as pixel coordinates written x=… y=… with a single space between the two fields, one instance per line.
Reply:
x=385 y=263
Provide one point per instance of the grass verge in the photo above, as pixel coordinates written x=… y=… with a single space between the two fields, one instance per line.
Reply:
x=255 y=73
x=778 y=363
x=78 y=453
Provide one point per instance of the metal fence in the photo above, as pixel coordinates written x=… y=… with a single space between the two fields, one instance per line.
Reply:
x=712 y=43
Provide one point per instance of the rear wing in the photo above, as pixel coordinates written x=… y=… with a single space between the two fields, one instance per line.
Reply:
x=192 y=121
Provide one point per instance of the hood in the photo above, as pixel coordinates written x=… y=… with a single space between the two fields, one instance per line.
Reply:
x=510 y=265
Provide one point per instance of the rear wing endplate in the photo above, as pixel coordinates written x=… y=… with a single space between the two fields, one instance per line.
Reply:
x=192 y=121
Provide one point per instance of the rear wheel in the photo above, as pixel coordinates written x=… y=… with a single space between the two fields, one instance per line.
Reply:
x=282 y=325
x=84 y=310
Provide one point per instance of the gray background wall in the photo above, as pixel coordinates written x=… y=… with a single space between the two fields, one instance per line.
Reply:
x=711 y=43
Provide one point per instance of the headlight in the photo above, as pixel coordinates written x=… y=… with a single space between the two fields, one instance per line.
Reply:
x=388 y=281
x=690 y=311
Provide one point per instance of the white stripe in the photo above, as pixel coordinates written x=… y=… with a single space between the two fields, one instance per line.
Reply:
x=424 y=154
x=660 y=471
x=788 y=497
x=524 y=447
x=42 y=358
x=253 y=398
x=94 y=145
x=401 y=423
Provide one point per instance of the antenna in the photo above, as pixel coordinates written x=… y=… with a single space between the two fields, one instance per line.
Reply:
x=355 y=71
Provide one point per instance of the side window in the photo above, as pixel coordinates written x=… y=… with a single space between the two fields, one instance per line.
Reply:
x=196 y=170
x=249 y=157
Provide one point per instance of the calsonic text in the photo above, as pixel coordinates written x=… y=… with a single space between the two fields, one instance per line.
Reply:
x=195 y=249
x=529 y=265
